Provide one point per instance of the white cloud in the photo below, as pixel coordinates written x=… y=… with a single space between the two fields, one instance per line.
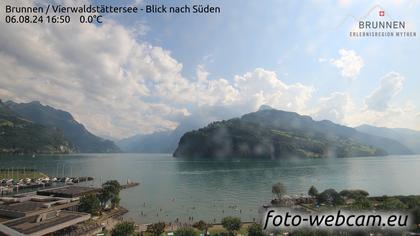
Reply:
x=264 y=87
x=119 y=86
x=378 y=110
x=349 y=63
x=101 y=74
x=391 y=85
x=335 y=107
x=322 y=59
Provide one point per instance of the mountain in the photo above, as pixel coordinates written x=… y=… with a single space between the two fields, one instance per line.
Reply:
x=409 y=138
x=270 y=133
x=76 y=133
x=160 y=142
x=18 y=135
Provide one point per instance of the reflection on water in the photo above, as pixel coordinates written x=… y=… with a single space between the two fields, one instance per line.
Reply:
x=174 y=188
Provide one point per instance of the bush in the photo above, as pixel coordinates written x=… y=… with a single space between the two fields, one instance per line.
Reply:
x=185 y=231
x=354 y=194
x=330 y=196
x=124 y=228
x=412 y=202
x=255 y=230
x=361 y=204
x=231 y=224
x=156 y=229
x=393 y=204
x=313 y=191
x=201 y=225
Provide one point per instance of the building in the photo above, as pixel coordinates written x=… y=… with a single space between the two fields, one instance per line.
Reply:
x=45 y=223
x=71 y=191
x=46 y=212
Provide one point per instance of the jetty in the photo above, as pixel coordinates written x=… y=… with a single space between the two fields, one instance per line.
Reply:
x=129 y=184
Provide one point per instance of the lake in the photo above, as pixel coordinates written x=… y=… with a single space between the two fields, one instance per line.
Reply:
x=173 y=188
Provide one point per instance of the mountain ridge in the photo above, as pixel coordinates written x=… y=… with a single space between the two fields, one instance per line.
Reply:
x=409 y=138
x=82 y=140
x=18 y=135
x=270 y=133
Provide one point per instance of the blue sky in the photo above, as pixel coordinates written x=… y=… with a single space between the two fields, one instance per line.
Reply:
x=158 y=69
x=287 y=37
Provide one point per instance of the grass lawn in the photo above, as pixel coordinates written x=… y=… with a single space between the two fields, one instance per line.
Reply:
x=20 y=174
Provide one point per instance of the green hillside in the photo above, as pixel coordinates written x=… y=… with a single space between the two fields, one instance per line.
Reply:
x=278 y=134
x=18 y=135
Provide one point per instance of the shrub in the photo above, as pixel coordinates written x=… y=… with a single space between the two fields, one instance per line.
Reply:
x=231 y=224
x=330 y=196
x=124 y=228
x=156 y=229
x=185 y=231
x=255 y=230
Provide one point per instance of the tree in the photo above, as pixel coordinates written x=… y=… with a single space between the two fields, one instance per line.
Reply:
x=278 y=190
x=313 y=192
x=115 y=201
x=354 y=194
x=185 y=231
x=255 y=230
x=330 y=196
x=156 y=229
x=110 y=192
x=393 y=204
x=90 y=204
x=124 y=228
x=231 y=224
x=361 y=204
x=202 y=226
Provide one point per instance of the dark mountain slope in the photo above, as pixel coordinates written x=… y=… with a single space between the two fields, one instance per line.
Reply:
x=76 y=133
x=271 y=133
x=18 y=135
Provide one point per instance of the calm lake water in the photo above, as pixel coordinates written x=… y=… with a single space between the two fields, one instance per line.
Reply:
x=173 y=188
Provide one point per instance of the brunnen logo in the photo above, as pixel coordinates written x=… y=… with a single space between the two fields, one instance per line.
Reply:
x=382 y=26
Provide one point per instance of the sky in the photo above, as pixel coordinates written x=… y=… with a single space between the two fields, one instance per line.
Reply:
x=143 y=73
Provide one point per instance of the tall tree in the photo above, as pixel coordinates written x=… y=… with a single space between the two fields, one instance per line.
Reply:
x=279 y=190
x=90 y=204
x=313 y=192
x=110 y=192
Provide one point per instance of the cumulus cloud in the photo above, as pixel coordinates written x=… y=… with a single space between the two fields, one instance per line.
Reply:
x=101 y=74
x=119 y=86
x=378 y=109
x=335 y=107
x=391 y=85
x=264 y=87
x=349 y=63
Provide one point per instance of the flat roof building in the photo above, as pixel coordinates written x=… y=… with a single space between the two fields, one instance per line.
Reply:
x=33 y=206
x=71 y=191
x=43 y=224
